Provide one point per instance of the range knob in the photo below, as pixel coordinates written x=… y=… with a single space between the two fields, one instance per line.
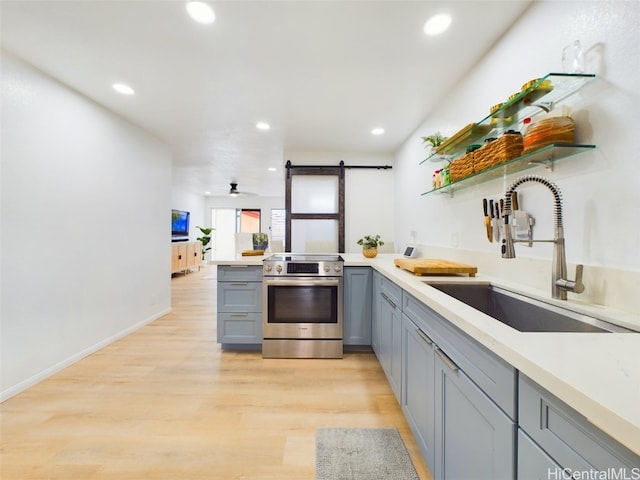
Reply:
x=278 y=268
x=268 y=268
x=337 y=268
x=326 y=268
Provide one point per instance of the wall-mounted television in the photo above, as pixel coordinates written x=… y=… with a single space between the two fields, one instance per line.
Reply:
x=179 y=226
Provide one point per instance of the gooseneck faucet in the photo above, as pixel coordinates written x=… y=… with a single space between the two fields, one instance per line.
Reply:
x=559 y=283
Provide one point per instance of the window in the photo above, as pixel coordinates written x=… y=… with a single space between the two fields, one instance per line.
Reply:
x=248 y=220
x=278 y=223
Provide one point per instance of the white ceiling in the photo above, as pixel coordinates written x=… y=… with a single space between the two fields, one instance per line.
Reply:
x=322 y=73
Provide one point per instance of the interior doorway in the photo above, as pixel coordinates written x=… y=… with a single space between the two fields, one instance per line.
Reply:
x=223 y=220
x=248 y=220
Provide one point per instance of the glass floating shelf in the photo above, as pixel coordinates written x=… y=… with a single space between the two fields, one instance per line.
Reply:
x=540 y=96
x=543 y=156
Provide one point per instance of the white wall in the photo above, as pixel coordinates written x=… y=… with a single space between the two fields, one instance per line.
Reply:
x=600 y=189
x=85 y=209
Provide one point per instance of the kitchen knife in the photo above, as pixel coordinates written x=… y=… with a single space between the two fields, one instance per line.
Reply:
x=487 y=220
x=514 y=201
x=496 y=223
x=493 y=219
x=502 y=219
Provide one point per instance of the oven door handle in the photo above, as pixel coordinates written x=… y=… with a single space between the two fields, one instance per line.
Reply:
x=298 y=282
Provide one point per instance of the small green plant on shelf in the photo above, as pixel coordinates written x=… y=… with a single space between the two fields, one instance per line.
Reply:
x=434 y=140
x=205 y=239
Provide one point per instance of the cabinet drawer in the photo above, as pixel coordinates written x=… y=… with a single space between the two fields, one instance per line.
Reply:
x=392 y=291
x=566 y=435
x=246 y=273
x=239 y=296
x=243 y=328
x=492 y=374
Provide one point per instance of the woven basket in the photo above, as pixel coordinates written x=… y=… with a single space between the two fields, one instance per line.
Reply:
x=505 y=148
x=462 y=167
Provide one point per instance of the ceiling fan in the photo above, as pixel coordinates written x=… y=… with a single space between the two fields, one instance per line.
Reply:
x=234 y=192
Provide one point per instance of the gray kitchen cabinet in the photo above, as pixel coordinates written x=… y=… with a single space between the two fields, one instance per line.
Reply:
x=497 y=378
x=239 y=305
x=462 y=431
x=358 y=289
x=375 y=312
x=388 y=322
x=418 y=382
x=474 y=438
x=567 y=437
x=533 y=462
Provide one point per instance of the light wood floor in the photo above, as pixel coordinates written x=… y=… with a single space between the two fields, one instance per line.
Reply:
x=166 y=403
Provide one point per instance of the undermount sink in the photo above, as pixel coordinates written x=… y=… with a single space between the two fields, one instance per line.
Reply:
x=523 y=313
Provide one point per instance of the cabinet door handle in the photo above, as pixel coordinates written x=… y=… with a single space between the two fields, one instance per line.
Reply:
x=447 y=361
x=424 y=336
x=240 y=314
x=388 y=300
x=240 y=283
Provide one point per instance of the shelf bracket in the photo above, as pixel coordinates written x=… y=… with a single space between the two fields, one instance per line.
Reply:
x=547 y=164
x=546 y=106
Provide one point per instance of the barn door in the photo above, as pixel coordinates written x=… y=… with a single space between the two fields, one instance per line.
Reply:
x=314 y=203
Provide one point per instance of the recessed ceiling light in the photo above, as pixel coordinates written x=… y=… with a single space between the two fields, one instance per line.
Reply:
x=377 y=131
x=437 y=24
x=123 y=89
x=263 y=126
x=201 y=12
x=207 y=193
x=272 y=169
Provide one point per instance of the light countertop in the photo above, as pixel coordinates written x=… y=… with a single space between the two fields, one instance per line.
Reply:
x=238 y=260
x=598 y=374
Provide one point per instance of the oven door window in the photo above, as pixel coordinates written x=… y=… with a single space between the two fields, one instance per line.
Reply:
x=303 y=304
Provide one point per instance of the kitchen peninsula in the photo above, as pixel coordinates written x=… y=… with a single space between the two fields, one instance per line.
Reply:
x=598 y=375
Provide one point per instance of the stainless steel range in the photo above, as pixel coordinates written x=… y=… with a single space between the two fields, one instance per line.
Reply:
x=302 y=306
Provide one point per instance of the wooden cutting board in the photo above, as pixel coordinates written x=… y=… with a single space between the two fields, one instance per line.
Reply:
x=434 y=266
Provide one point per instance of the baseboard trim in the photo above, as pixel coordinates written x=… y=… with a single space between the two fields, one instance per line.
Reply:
x=47 y=372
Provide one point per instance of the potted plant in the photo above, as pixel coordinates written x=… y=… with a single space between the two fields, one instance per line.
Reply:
x=205 y=239
x=433 y=141
x=370 y=245
x=260 y=241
